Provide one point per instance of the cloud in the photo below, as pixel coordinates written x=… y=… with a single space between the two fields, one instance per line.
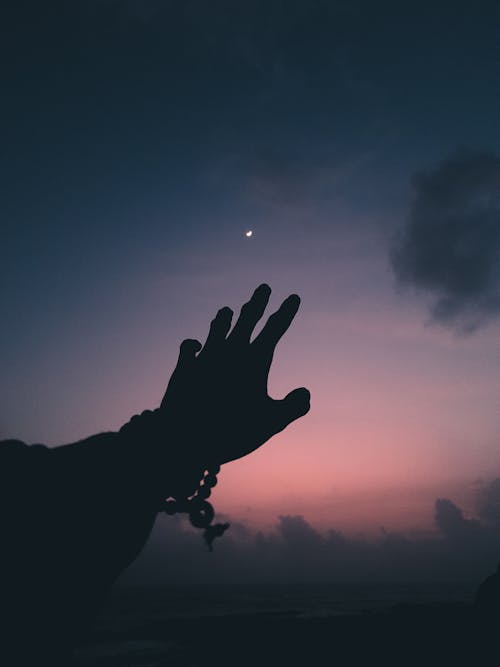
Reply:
x=461 y=549
x=303 y=177
x=488 y=503
x=451 y=521
x=450 y=244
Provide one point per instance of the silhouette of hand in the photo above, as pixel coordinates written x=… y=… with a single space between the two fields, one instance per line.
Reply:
x=97 y=499
x=217 y=396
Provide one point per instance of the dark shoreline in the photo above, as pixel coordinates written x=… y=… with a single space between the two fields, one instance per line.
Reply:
x=429 y=634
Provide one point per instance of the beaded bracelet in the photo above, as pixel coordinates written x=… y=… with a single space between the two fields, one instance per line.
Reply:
x=200 y=511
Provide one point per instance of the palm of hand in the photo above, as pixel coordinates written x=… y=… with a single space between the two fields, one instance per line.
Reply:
x=217 y=395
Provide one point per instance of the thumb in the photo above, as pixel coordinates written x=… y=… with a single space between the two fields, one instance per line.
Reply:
x=187 y=354
x=295 y=405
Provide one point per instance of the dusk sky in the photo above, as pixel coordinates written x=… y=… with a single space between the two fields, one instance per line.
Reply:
x=359 y=141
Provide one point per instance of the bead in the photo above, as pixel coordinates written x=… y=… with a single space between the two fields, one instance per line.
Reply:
x=170 y=507
x=210 y=480
x=193 y=500
x=211 y=532
x=204 y=492
x=201 y=514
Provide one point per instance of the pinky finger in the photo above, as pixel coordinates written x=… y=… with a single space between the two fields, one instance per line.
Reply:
x=188 y=351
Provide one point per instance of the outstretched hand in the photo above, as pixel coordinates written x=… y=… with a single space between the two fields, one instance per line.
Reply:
x=98 y=498
x=217 y=396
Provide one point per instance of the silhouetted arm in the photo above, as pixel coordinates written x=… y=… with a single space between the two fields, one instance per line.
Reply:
x=75 y=516
x=72 y=519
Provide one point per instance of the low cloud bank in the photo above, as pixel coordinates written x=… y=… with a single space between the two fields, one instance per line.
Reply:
x=460 y=549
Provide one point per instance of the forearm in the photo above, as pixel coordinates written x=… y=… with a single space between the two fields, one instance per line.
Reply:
x=138 y=462
x=80 y=502
x=94 y=500
x=74 y=517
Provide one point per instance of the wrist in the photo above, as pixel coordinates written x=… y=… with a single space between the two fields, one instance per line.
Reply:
x=177 y=479
x=169 y=469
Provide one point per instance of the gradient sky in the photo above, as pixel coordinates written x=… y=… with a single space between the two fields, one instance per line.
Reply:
x=141 y=139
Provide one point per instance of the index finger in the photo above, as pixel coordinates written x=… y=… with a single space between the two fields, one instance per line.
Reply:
x=250 y=314
x=278 y=323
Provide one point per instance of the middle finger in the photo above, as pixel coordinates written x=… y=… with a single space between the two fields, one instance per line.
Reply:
x=250 y=314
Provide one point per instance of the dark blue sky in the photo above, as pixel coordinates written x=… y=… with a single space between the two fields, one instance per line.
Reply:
x=142 y=138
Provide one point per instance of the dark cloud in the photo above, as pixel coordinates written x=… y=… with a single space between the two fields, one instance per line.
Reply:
x=488 y=503
x=451 y=521
x=461 y=549
x=306 y=177
x=450 y=245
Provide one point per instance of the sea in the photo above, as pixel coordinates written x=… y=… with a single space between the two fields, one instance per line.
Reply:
x=152 y=627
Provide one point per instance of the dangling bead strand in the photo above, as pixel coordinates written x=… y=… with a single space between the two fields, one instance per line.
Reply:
x=201 y=513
